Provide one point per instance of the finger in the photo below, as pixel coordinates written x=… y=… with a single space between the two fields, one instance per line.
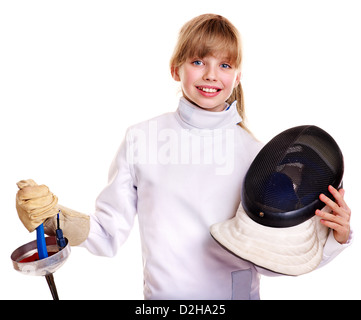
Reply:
x=346 y=207
x=34 y=204
x=341 y=232
x=339 y=196
x=326 y=216
x=331 y=225
x=31 y=192
x=340 y=199
x=26 y=183
x=342 y=192
x=337 y=210
x=328 y=202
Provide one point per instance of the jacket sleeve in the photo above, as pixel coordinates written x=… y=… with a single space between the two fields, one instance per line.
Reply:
x=116 y=205
x=332 y=248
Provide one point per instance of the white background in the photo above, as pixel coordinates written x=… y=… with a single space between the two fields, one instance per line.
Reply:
x=75 y=74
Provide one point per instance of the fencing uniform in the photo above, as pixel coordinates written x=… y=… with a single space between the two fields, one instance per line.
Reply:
x=180 y=173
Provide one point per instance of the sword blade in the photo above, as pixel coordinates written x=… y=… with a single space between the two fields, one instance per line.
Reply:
x=51 y=283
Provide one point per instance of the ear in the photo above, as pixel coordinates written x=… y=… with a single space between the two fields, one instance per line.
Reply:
x=238 y=79
x=175 y=73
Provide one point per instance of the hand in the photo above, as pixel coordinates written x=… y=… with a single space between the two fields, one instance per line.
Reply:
x=34 y=203
x=338 y=217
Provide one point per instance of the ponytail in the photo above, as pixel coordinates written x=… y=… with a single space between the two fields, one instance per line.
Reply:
x=237 y=94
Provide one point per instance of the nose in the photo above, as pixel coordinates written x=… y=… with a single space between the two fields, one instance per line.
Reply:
x=210 y=74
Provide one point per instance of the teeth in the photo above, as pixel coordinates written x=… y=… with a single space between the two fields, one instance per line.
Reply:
x=208 y=90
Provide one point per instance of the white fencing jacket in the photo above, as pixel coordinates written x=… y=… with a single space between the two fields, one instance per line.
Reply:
x=181 y=172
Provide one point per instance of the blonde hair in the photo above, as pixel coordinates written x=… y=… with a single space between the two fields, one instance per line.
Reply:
x=209 y=34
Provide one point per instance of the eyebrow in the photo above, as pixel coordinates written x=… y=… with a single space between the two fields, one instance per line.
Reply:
x=222 y=58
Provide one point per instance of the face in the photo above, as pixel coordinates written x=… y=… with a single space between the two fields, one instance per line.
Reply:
x=207 y=82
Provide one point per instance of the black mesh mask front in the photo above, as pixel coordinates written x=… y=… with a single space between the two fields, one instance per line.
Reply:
x=283 y=183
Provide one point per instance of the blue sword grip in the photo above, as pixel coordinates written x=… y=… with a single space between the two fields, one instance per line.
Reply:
x=40 y=241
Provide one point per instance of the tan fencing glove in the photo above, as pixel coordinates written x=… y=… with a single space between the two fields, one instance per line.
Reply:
x=35 y=205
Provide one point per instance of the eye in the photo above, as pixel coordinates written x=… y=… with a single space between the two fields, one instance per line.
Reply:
x=225 y=66
x=197 y=62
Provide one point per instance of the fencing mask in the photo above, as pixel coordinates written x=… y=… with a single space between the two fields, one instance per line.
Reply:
x=275 y=226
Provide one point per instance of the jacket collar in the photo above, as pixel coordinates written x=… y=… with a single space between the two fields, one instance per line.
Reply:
x=196 y=117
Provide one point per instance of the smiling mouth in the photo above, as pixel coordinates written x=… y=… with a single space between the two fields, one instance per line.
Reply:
x=208 y=90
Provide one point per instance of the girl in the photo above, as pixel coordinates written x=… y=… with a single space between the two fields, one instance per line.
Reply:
x=181 y=172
